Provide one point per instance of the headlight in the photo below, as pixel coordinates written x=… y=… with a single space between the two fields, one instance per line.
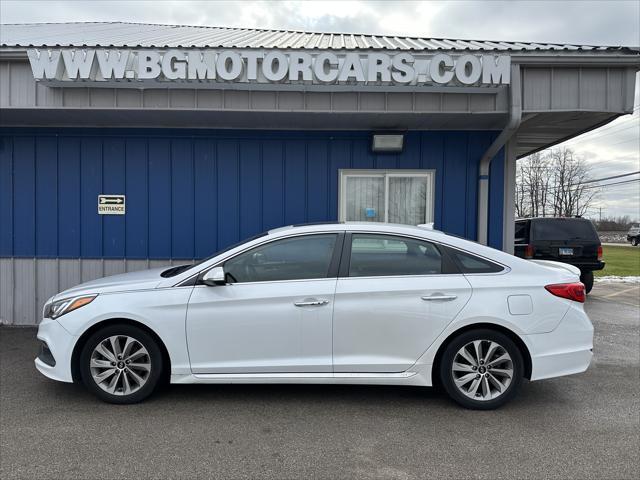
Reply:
x=56 y=309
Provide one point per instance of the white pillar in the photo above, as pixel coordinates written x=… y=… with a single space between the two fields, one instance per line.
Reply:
x=509 y=196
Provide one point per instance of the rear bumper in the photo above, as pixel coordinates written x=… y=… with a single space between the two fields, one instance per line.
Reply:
x=590 y=266
x=566 y=350
x=60 y=345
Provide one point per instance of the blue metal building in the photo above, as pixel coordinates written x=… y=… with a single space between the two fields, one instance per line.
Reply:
x=210 y=139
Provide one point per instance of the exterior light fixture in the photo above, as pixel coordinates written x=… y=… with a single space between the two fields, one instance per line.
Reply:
x=387 y=143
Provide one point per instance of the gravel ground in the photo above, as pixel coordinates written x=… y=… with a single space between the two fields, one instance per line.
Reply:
x=583 y=426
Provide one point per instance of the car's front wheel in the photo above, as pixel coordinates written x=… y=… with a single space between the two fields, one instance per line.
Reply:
x=481 y=369
x=634 y=241
x=121 y=364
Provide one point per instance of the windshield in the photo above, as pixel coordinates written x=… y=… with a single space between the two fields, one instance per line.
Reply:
x=173 y=271
x=563 y=229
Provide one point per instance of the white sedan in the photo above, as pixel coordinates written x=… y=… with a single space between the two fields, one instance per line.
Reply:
x=329 y=303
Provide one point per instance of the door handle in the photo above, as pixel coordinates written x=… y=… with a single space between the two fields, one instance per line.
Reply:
x=311 y=303
x=444 y=298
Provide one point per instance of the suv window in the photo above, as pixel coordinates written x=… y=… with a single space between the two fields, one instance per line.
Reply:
x=294 y=258
x=385 y=255
x=522 y=232
x=563 y=229
x=468 y=263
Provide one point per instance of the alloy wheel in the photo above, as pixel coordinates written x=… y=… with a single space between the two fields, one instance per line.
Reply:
x=482 y=370
x=120 y=365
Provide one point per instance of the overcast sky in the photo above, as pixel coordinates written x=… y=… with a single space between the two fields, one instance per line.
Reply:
x=613 y=149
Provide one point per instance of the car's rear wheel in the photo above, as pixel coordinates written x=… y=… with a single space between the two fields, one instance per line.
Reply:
x=587 y=279
x=634 y=242
x=121 y=364
x=481 y=369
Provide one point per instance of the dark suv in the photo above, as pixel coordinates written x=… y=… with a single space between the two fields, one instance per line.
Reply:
x=633 y=235
x=568 y=240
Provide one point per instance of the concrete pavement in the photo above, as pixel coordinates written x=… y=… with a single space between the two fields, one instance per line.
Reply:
x=582 y=426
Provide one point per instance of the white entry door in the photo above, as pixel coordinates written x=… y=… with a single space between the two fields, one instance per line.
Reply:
x=391 y=196
x=273 y=315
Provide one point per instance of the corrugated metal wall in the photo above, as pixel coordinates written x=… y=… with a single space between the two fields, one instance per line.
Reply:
x=19 y=89
x=571 y=88
x=190 y=193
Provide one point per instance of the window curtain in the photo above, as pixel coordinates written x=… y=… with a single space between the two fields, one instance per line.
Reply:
x=407 y=200
x=365 y=199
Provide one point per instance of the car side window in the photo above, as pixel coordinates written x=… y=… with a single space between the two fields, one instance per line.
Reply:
x=296 y=258
x=385 y=255
x=468 y=263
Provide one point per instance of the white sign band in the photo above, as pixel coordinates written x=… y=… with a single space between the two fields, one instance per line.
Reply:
x=268 y=66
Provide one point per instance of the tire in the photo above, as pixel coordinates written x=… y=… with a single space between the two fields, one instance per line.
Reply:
x=634 y=241
x=140 y=376
x=463 y=392
x=587 y=279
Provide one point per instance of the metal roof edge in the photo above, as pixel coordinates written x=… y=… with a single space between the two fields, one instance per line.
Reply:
x=312 y=32
x=541 y=57
x=162 y=35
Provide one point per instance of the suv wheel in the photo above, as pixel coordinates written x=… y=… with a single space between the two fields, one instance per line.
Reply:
x=634 y=241
x=481 y=369
x=587 y=279
x=121 y=364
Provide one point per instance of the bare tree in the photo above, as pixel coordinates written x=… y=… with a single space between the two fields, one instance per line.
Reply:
x=553 y=182
x=571 y=195
x=521 y=192
x=532 y=186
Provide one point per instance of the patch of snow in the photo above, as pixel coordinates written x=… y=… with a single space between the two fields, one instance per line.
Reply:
x=616 y=279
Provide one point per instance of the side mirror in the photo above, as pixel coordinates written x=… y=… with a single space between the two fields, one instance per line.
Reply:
x=215 y=276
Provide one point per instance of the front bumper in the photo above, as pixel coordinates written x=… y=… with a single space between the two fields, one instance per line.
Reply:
x=564 y=351
x=60 y=344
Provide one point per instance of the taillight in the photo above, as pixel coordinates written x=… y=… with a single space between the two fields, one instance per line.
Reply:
x=529 y=251
x=570 y=291
x=599 y=252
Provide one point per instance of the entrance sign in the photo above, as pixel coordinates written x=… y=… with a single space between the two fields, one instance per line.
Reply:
x=111 y=204
x=135 y=67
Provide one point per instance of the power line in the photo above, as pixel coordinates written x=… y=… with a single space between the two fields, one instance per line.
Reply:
x=624 y=141
x=574 y=188
x=612 y=177
x=603 y=178
x=621 y=123
x=626 y=123
x=609 y=130
x=577 y=186
x=613 y=144
x=600 y=134
x=626 y=157
x=611 y=184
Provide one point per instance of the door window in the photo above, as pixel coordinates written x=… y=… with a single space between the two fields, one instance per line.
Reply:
x=294 y=258
x=384 y=255
x=468 y=263
x=393 y=196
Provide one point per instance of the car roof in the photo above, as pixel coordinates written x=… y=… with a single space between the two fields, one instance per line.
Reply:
x=553 y=219
x=423 y=231
x=351 y=226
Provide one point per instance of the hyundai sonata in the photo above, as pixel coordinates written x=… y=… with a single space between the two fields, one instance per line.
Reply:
x=334 y=303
